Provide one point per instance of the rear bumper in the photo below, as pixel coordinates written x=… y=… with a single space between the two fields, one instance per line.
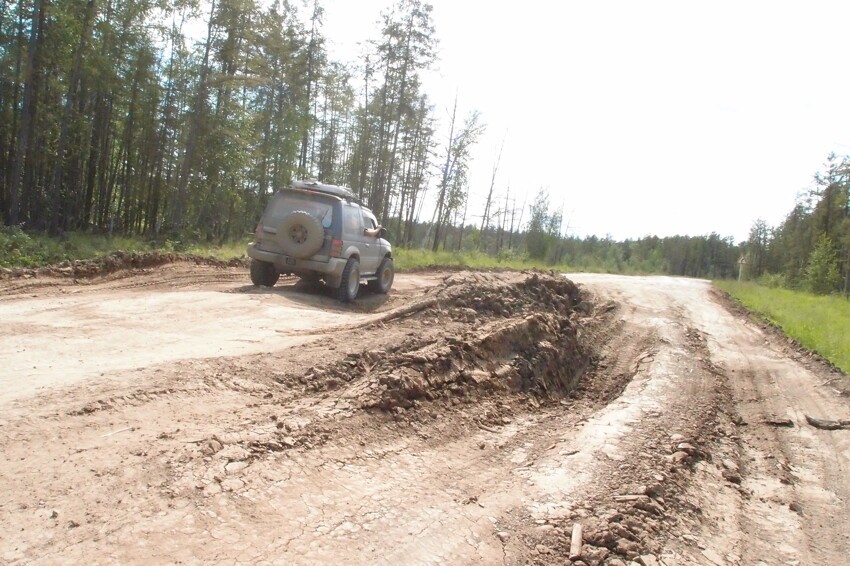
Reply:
x=331 y=270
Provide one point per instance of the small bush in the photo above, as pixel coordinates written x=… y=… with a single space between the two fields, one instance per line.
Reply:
x=18 y=249
x=773 y=281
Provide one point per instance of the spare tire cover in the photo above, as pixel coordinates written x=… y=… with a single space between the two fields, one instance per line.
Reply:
x=300 y=234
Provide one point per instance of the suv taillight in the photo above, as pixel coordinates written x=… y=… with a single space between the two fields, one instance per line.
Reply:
x=336 y=248
x=259 y=229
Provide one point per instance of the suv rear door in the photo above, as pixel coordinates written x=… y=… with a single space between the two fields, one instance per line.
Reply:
x=287 y=201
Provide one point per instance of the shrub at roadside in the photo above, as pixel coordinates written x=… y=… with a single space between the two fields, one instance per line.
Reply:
x=822 y=274
x=18 y=249
x=22 y=249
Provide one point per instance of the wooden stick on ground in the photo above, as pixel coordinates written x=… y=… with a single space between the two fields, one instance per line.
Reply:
x=575 y=542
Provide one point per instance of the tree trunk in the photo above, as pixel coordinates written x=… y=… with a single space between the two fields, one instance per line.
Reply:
x=486 y=218
x=444 y=184
x=27 y=112
x=187 y=167
x=55 y=193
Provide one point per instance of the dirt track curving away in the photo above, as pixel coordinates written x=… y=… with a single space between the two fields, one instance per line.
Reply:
x=175 y=414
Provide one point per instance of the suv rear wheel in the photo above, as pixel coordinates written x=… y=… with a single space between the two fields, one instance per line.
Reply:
x=385 y=276
x=350 y=282
x=263 y=273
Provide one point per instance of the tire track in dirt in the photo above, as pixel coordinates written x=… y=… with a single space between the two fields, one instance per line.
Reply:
x=796 y=490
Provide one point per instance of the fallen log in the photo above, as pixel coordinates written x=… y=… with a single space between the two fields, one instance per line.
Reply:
x=825 y=424
x=779 y=422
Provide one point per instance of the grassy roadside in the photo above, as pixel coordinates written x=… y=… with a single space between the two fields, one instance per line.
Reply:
x=22 y=249
x=819 y=323
x=414 y=258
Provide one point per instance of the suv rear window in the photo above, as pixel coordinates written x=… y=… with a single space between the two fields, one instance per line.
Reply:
x=289 y=202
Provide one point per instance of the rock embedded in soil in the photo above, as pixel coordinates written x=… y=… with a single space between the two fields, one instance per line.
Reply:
x=626 y=547
x=680 y=458
x=732 y=476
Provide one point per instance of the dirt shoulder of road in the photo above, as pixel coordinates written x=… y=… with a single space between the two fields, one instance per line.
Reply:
x=833 y=375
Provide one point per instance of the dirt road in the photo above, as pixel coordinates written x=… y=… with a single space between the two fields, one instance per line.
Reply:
x=178 y=415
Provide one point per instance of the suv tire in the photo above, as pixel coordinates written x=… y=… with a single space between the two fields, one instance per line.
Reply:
x=263 y=273
x=301 y=234
x=385 y=277
x=349 y=284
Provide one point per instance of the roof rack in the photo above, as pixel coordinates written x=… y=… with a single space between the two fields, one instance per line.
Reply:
x=335 y=190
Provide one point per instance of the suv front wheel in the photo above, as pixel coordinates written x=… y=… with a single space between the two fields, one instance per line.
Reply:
x=384 y=277
x=350 y=282
x=263 y=273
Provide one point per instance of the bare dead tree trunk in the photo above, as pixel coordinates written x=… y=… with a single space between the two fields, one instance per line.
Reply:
x=436 y=222
x=486 y=218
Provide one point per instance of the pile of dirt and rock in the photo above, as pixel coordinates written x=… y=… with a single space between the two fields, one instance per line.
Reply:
x=113 y=262
x=515 y=335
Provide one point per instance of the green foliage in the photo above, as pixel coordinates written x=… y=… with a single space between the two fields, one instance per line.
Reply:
x=538 y=239
x=772 y=280
x=810 y=249
x=420 y=258
x=822 y=276
x=17 y=248
x=757 y=245
x=178 y=120
x=22 y=249
x=819 y=323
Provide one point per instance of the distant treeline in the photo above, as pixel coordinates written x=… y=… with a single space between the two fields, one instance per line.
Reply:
x=810 y=249
x=541 y=239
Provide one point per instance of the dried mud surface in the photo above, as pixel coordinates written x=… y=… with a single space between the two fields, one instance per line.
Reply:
x=466 y=418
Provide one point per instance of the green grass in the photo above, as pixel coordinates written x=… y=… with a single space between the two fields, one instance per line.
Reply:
x=819 y=323
x=32 y=249
x=25 y=249
x=419 y=258
x=28 y=249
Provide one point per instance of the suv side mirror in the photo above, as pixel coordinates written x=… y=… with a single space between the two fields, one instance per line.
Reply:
x=382 y=233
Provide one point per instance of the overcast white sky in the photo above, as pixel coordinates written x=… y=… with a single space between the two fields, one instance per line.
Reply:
x=641 y=117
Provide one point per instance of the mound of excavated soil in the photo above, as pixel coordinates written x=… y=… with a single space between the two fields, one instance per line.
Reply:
x=115 y=261
x=514 y=335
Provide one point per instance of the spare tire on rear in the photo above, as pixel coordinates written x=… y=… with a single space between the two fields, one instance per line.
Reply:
x=301 y=234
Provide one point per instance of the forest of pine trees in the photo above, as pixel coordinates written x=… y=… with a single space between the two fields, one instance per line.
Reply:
x=116 y=120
